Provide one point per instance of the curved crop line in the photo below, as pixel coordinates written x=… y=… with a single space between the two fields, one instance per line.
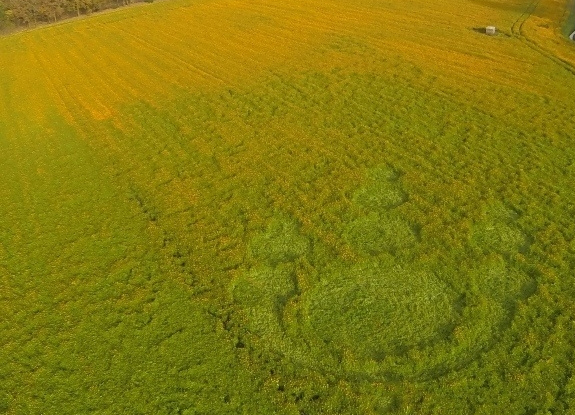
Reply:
x=517 y=30
x=517 y=27
x=173 y=57
x=51 y=84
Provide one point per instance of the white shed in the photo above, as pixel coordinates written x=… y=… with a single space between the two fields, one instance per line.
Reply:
x=490 y=30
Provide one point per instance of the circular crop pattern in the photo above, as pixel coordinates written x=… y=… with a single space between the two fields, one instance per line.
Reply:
x=377 y=233
x=382 y=191
x=280 y=243
x=374 y=312
x=378 y=319
x=393 y=322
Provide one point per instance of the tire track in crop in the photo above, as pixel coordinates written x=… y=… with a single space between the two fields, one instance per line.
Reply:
x=144 y=73
x=352 y=22
x=517 y=31
x=138 y=74
x=173 y=57
x=60 y=87
x=220 y=51
x=96 y=84
x=518 y=24
x=307 y=20
x=96 y=95
x=324 y=23
x=83 y=122
x=240 y=50
x=267 y=31
x=178 y=55
x=259 y=41
x=55 y=91
x=334 y=20
x=123 y=72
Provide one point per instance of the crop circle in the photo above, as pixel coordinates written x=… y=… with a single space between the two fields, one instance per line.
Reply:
x=373 y=312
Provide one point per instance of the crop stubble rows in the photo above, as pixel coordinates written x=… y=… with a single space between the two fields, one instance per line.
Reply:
x=332 y=216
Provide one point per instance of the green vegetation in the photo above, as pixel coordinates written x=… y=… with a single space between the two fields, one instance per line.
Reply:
x=18 y=14
x=205 y=212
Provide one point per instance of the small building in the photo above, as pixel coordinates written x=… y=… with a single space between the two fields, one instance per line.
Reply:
x=490 y=30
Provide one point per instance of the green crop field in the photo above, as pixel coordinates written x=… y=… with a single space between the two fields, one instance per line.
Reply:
x=290 y=207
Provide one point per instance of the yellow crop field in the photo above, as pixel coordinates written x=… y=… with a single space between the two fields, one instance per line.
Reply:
x=295 y=207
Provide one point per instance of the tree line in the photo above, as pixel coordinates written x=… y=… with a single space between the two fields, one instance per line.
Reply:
x=28 y=13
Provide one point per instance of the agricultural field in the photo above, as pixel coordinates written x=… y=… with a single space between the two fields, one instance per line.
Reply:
x=290 y=207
